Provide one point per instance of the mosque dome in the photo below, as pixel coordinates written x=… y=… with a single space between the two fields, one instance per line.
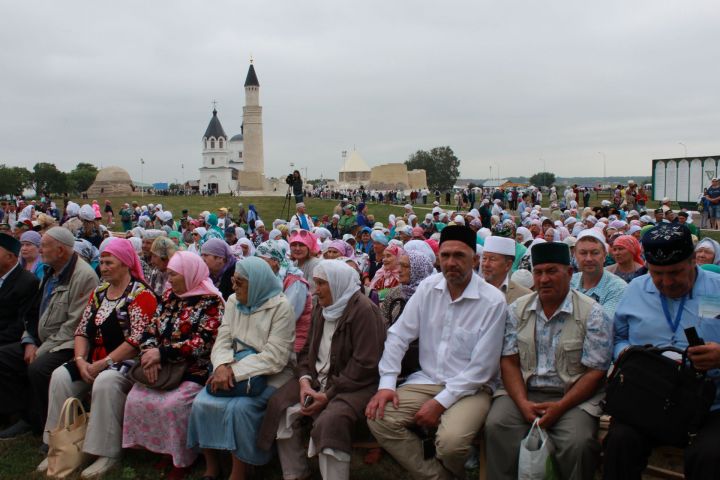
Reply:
x=111 y=181
x=113 y=175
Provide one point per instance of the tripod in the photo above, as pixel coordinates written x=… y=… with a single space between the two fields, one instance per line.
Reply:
x=286 y=204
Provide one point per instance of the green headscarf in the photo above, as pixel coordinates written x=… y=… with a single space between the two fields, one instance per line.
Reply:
x=263 y=284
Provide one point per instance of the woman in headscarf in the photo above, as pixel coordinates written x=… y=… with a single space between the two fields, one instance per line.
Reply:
x=221 y=262
x=176 y=238
x=253 y=343
x=30 y=254
x=523 y=236
x=161 y=252
x=295 y=287
x=89 y=253
x=213 y=231
x=337 y=370
x=338 y=248
x=108 y=335
x=526 y=260
x=707 y=251
x=414 y=268
x=71 y=220
x=252 y=217
x=198 y=234
x=261 y=234
x=90 y=229
x=304 y=249
x=245 y=248
x=389 y=275
x=182 y=332
x=375 y=259
x=627 y=253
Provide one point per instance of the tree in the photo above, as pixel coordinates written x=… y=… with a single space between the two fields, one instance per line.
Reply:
x=441 y=166
x=14 y=179
x=543 y=179
x=47 y=178
x=82 y=177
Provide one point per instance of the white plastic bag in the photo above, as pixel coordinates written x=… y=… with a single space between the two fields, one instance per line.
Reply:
x=535 y=455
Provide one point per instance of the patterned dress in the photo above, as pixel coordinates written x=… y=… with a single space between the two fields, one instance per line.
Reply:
x=183 y=329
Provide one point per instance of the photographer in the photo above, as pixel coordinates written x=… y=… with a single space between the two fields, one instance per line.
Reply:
x=295 y=182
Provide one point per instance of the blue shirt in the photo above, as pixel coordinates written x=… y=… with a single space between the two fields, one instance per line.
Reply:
x=640 y=320
x=608 y=292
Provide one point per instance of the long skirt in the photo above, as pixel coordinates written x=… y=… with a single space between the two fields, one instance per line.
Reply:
x=157 y=420
x=229 y=423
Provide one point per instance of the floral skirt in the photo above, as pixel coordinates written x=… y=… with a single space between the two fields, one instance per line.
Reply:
x=157 y=420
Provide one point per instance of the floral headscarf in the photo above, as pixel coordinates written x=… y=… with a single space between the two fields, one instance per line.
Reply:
x=421 y=267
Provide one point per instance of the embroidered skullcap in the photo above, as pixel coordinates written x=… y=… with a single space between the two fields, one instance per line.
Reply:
x=550 y=252
x=667 y=244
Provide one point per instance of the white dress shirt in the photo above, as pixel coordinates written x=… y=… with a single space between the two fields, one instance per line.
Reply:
x=460 y=341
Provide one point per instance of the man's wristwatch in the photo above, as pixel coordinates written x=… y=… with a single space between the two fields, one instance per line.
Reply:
x=109 y=361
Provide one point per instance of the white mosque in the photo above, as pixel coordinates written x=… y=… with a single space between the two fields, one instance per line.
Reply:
x=236 y=164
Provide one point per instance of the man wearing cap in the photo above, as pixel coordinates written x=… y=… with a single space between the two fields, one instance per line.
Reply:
x=592 y=279
x=458 y=319
x=47 y=342
x=301 y=219
x=713 y=200
x=497 y=261
x=17 y=287
x=557 y=348
x=656 y=310
x=682 y=218
x=659 y=215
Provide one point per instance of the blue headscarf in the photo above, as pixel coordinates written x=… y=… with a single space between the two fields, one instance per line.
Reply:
x=263 y=284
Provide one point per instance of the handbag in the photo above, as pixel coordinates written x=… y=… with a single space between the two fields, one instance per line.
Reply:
x=665 y=400
x=169 y=376
x=251 y=387
x=65 y=442
x=536 y=461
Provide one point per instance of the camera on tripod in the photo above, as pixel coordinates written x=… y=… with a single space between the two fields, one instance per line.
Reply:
x=290 y=179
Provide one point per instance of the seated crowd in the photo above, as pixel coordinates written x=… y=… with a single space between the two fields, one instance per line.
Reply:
x=205 y=337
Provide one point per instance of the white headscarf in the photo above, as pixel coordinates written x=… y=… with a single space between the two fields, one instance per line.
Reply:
x=246 y=241
x=343 y=281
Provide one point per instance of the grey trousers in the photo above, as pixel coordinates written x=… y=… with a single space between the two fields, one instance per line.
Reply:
x=109 y=392
x=574 y=437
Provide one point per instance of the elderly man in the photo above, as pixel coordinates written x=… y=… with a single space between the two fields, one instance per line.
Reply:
x=459 y=320
x=47 y=343
x=592 y=279
x=17 y=287
x=497 y=261
x=301 y=219
x=557 y=348
x=656 y=310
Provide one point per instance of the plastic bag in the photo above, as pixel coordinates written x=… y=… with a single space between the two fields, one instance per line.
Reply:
x=536 y=461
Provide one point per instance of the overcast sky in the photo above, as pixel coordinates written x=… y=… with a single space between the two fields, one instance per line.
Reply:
x=504 y=83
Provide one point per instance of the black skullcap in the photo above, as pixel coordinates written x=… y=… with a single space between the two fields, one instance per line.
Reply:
x=683 y=214
x=10 y=243
x=667 y=244
x=659 y=210
x=461 y=233
x=550 y=252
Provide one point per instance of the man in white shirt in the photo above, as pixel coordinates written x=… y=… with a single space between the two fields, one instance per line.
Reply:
x=301 y=219
x=459 y=321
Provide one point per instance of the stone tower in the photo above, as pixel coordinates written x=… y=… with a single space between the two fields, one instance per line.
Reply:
x=253 y=176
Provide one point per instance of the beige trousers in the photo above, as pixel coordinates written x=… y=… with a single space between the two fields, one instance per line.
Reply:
x=458 y=427
x=109 y=392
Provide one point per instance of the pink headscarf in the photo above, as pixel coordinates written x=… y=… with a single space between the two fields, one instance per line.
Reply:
x=197 y=276
x=306 y=238
x=631 y=244
x=124 y=251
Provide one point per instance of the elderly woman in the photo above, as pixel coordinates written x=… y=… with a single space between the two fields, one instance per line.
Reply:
x=389 y=275
x=414 y=268
x=30 y=253
x=295 y=287
x=245 y=248
x=303 y=249
x=197 y=239
x=161 y=252
x=627 y=253
x=338 y=248
x=337 y=375
x=253 y=343
x=260 y=234
x=221 y=263
x=707 y=252
x=107 y=336
x=180 y=336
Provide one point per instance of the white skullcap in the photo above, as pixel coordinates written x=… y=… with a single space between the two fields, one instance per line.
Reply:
x=62 y=235
x=501 y=245
x=594 y=233
x=86 y=213
x=523 y=277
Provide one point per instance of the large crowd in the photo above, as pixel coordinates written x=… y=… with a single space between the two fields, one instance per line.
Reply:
x=221 y=333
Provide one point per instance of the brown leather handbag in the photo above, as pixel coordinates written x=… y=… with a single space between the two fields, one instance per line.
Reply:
x=169 y=377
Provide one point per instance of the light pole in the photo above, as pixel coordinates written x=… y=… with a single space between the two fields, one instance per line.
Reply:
x=491 y=172
x=684 y=147
x=602 y=154
x=544 y=164
x=142 y=178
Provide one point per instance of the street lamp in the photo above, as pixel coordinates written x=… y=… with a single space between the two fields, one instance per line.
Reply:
x=142 y=178
x=604 y=164
x=684 y=147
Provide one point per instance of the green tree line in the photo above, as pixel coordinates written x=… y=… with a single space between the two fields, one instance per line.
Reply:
x=45 y=177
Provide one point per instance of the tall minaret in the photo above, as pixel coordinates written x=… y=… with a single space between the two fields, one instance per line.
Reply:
x=253 y=177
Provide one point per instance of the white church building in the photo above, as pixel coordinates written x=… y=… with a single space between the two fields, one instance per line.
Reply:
x=235 y=164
